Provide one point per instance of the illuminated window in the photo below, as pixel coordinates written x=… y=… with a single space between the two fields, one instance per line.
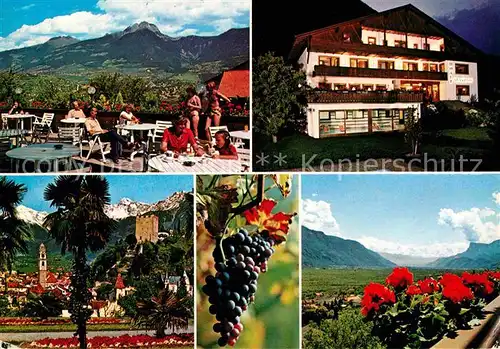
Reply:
x=325 y=86
x=381 y=87
x=385 y=65
x=340 y=87
x=463 y=90
x=442 y=68
x=462 y=69
x=410 y=66
x=325 y=60
x=427 y=47
x=359 y=63
x=434 y=67
x=347 y=37
x=441 y=48
x=372 y=41
x=399 y=43
x=354 y=87
x=415 y=46
x=426 y=66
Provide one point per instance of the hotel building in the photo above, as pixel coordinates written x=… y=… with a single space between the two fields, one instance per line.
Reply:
x=367 y=72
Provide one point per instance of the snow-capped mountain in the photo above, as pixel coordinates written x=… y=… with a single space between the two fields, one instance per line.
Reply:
x=29 y=215
x=123 y=209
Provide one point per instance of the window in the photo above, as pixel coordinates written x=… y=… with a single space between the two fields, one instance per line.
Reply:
x=442 y=68
x=426 y=66
x=382 y=113
x=324 y=115
x=372 y=40
x=415 y=46
x=386 y=65
x=381 y=87
x=434 y=67
x=329 y=61
x=340 y=87
x=427 y=47
x=399 y=43
x=462 y=69
x=354 y=87
x=43 y=264
x=347 y=37
x=359 y=63
x=463 y=90
x=441 y=48
x=368 y=87
x=325 y=86
x=410 y=66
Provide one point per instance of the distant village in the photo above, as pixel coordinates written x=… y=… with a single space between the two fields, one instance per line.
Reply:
x=17 y=286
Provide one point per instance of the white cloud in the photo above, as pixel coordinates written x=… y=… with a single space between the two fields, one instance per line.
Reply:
x=317 y=215
x=477 y=225
x=438 y=249
x=26 y=7
x=173 y=18
x=314 y=195
x=496 y=197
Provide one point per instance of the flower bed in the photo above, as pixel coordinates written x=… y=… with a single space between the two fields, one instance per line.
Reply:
x=419 y=314
x=50 y=322
x=124 y=341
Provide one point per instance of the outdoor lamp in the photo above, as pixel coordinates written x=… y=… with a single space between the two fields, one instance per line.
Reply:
x=91 y=90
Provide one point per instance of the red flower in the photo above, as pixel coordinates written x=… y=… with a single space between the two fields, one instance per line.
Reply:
x=428 y=285
x=413 y=290
x=376 y=295
x=277 y=224
x=400 y=278
x=480 y=283
x=454 y=289
x=494 y=275
x=238 y=107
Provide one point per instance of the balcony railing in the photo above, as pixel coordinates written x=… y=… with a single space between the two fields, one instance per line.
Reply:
x=365 y=97
x=324 y=70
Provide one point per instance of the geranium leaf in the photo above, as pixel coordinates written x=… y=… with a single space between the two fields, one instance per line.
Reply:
x=463 y=311
x=474 y=322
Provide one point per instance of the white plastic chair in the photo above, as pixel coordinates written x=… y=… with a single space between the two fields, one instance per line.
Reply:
x=214 y=129
x=244 y=157
x=42 y=125
x=93 y=141
x=161 y=126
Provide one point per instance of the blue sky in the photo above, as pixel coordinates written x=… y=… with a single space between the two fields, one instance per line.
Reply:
x=29 y=22
x=426 y=215
x=143 y=188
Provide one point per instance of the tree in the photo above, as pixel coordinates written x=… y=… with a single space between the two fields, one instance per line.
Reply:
x=14 y=233
x=105 y=292
x=78 y=225
x=278 y=96
x=413 y=130
x=168 y=310
x=44 y=306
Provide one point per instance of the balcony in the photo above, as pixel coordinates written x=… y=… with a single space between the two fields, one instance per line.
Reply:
x=324 y=70
x=365 y=97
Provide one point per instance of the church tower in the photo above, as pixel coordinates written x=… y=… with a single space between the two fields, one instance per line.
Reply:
x=42 y=266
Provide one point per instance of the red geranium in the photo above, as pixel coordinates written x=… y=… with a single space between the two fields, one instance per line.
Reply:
x=454 y=289
x=449 y=279
x=494 y=275
x=428 y=285
x=413 y=290
x=480 y=283
x=376 y=295
x=400 y=278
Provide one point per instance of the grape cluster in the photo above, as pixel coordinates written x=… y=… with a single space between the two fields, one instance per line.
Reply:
x=234 y=285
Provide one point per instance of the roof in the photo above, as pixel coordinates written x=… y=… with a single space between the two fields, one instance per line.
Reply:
x=119 y=285
x=38 y=289
x=406 y=18
x=51 y=278
x=235 y=83
x=217 y=78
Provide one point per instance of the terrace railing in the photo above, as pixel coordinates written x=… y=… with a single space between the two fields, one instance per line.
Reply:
x=324 y=70
x=365 y=97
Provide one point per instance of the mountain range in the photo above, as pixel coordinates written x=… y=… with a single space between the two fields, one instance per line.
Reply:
x=325 y=251
x=322 y=251
x=124 y=212
x=140 y=48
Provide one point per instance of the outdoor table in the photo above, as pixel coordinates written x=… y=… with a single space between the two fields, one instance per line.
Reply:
x=239 y=137
x=20 y=119
x=141 y=128
x=43 y=153
x=17 y=134
x=162 y=163
x=74 y=121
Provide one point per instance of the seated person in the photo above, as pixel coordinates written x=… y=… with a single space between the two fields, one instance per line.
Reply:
x=223 y=147
x=177 y=138
x=76 y=112
x=126 y=116
x=16 y=108
x=94 y=128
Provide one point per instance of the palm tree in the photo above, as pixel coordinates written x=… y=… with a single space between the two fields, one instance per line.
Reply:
x=79 y=224
x=169 y=310
x=14 y=233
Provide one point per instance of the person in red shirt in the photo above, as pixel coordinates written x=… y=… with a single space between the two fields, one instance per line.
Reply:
x=178 y=137
x=224 y=147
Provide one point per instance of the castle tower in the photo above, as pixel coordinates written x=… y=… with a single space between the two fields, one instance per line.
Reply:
x=42 y=266
x=146 y=229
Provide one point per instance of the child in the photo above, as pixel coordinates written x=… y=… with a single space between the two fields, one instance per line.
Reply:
x=223 y=146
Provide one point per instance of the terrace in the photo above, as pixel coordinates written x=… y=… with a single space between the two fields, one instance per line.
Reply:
x=365 y=97
x=323 y=70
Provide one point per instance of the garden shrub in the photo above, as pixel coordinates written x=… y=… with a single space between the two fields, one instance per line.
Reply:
x=348 y=331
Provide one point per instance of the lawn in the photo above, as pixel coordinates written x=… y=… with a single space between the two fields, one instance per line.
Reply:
x=350 y=281
x=302 y=151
